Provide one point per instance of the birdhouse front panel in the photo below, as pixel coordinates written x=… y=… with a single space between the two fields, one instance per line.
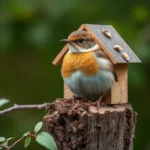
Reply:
x=119 y=90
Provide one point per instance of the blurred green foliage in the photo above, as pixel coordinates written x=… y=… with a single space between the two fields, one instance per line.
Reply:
x=30 y=31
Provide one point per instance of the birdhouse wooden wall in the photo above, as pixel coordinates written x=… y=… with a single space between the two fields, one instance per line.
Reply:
x=67 y=92
x=118 y=93
x=119 y=53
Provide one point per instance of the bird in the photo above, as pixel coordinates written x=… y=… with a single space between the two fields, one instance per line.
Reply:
x=86 y=69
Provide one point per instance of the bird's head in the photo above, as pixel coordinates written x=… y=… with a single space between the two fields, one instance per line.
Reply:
x=80 y=42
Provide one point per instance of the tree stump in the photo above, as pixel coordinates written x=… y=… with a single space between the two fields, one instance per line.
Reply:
x=76 y=125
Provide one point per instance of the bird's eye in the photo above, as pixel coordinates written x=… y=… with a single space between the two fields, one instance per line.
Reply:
x=80 y=40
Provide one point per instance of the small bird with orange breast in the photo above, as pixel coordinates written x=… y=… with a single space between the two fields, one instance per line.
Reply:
x=86 y=69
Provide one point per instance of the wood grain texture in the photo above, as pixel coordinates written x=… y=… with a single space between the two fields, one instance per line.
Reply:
x=74 y=125
x=67 y=92
x=59 y=58
x=108 y=44
x=119 y=91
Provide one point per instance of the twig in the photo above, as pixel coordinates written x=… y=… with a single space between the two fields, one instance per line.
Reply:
x=10 y=147
x=16 y=142
x=20 y=107
x=3 y=147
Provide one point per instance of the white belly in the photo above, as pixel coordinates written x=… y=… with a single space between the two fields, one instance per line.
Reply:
x=90 y=87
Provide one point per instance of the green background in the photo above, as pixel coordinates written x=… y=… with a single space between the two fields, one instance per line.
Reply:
x=30 y=31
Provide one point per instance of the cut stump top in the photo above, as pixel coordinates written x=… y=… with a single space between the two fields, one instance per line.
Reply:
x=75 y=125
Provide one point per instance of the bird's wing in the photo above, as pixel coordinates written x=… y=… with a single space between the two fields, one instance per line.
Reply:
x=101 y=54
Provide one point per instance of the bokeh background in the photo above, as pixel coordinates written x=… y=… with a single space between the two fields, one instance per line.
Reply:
x=30 y=31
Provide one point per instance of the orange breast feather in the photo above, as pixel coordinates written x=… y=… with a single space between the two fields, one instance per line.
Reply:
x=84 y=62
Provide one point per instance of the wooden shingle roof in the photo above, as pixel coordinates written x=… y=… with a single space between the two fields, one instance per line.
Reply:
x=108 y=38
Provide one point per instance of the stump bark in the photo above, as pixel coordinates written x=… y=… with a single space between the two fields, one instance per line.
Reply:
x=76 y=125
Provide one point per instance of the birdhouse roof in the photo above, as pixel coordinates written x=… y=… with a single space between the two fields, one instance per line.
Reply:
x=111 y=43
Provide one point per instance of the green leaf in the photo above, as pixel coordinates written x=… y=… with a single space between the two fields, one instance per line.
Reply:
x=3 y=101
x=2 y=139
x=46 y=140
x=3 y=144
x=8 y=139
x=27 y=141
x=38 y=127
x=26 y=134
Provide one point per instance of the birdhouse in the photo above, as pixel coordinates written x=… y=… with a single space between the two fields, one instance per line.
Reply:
x=117 y=51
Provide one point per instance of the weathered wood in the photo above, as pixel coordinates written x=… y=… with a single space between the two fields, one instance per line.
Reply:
x=59 y=58
x=75 y=125
x=107 y=44
x=118 y=93
x=119 y=90
x=67 y=92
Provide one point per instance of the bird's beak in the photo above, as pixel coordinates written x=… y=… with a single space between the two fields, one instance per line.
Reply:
x=65 y=40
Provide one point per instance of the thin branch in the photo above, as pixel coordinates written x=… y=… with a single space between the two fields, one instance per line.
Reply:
x=16 y=142
x=21 y=107
x=3 y=147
